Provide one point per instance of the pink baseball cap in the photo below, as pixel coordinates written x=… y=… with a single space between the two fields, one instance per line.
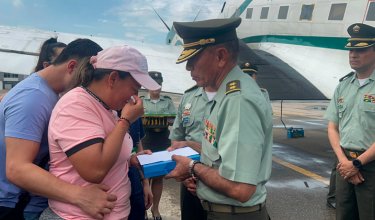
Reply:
x=127 y=59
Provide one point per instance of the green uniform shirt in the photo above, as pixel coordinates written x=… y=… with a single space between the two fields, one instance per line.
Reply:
x=188 y=124
x=163 y=106
x=352 y=108
x=238 y=138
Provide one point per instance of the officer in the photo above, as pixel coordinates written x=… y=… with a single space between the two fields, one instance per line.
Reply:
x=252 y=70
x=236 y=155
x=157 y=139
x=351 y=115
x=187 y=131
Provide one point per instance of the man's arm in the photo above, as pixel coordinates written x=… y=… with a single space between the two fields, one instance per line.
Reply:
x=334 y=140
x=368 y=155
x=178 y=144
x=21 y=170
x=344 y=167
x=211 y=177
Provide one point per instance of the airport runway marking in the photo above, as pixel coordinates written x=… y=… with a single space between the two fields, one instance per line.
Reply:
x=301 y=170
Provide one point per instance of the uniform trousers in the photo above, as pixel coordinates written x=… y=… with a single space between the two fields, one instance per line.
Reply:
x=257 y=215
x=191 y=207
x=356 y=202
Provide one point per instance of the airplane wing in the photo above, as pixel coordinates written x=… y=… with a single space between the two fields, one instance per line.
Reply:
x=19 y=49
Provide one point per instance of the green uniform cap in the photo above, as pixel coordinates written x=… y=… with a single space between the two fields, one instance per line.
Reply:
x=248 y=68
x=157 y=76
x=199 y=34
x=361 y=36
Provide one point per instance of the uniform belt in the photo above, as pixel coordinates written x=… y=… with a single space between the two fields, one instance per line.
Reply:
x=352 y=154
x=215 y=207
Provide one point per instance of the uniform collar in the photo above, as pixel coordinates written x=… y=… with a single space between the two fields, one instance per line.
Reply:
x=372 y=76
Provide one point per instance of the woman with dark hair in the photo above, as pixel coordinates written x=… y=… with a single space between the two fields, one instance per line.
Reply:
x=48 y=52
x=89 y=143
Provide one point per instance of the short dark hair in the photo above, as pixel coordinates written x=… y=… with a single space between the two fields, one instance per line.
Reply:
x=233 y=48
x=48 y=52
x=78 y=49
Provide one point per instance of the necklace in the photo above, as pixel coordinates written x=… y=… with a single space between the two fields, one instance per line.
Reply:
x=96 y=97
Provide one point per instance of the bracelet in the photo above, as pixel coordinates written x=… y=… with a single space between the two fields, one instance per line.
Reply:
x=125 y=119
x=191 y=168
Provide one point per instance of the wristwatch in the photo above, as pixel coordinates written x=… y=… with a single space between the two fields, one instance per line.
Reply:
x=357 y=164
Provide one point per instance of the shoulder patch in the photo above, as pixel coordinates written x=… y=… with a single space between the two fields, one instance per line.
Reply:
x=233 y=86
x=191 y=88
x=346 y=76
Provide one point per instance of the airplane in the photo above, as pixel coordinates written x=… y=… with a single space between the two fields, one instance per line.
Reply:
x=19 y=49
x=304 y=41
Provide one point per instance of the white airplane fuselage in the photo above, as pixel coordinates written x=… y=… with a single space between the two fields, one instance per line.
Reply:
x=312 y=42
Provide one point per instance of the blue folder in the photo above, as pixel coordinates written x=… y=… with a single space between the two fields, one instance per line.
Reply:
x=162 y=168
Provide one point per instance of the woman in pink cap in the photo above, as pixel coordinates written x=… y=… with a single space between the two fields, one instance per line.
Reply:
x=88 y=142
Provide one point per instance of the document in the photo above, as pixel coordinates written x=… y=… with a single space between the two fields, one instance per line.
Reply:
x=165 y=155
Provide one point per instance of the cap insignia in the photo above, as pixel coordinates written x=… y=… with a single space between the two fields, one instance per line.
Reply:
x=233 y=86
x=201 y=42
x=247 y=64
x=356 y=29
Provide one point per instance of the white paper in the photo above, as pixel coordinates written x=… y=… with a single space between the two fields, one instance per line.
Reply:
x=165 y=155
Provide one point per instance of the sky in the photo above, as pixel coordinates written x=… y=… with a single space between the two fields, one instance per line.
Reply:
x=121 y=19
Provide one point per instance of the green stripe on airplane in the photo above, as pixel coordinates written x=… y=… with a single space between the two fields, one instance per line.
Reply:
x=311 y=41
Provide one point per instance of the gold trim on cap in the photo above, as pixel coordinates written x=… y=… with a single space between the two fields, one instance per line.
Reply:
x=361 y=39
x=249 y=70
x=187 y=54
x=201 y=42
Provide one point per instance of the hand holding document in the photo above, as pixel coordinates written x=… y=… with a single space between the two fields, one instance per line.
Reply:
x=161 y=163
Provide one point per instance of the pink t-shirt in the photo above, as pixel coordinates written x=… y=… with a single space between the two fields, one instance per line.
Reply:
x=76 y=118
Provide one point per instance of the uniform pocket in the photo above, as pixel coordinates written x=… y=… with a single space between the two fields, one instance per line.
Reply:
x=342 y=109
x=369 y=114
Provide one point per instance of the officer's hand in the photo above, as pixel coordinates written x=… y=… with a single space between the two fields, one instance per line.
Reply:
x=133 y=109
x=147 y=193
x=181 y=171
x=191 y=185
x=176 y=145
x=346 y=169
x=356 y=179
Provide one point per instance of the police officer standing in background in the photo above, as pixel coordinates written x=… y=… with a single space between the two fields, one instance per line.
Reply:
x=236 y=157
x=188 y=131
x=351 y=128
x=157 y=139
x=252 y=70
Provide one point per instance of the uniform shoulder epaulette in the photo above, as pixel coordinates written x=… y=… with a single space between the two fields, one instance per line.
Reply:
x=142 y=96
x=346 y=76
x=233 y=86
x=263 y=90
x=191 y=88
x=167 y=97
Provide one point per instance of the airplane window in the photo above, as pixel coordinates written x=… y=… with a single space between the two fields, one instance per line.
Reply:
x=283 y=12
x=371 y=12
x=306 y=12
x=264 y=13
x=249 y=13
x=337 y=12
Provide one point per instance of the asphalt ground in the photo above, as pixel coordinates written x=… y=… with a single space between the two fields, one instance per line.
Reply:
x=301 y=166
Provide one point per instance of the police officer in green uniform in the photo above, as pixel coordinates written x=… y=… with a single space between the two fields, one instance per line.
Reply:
x=157 y=139
x=236 y=156
x=351 y=128
x=252 y=71
x=188 y=131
